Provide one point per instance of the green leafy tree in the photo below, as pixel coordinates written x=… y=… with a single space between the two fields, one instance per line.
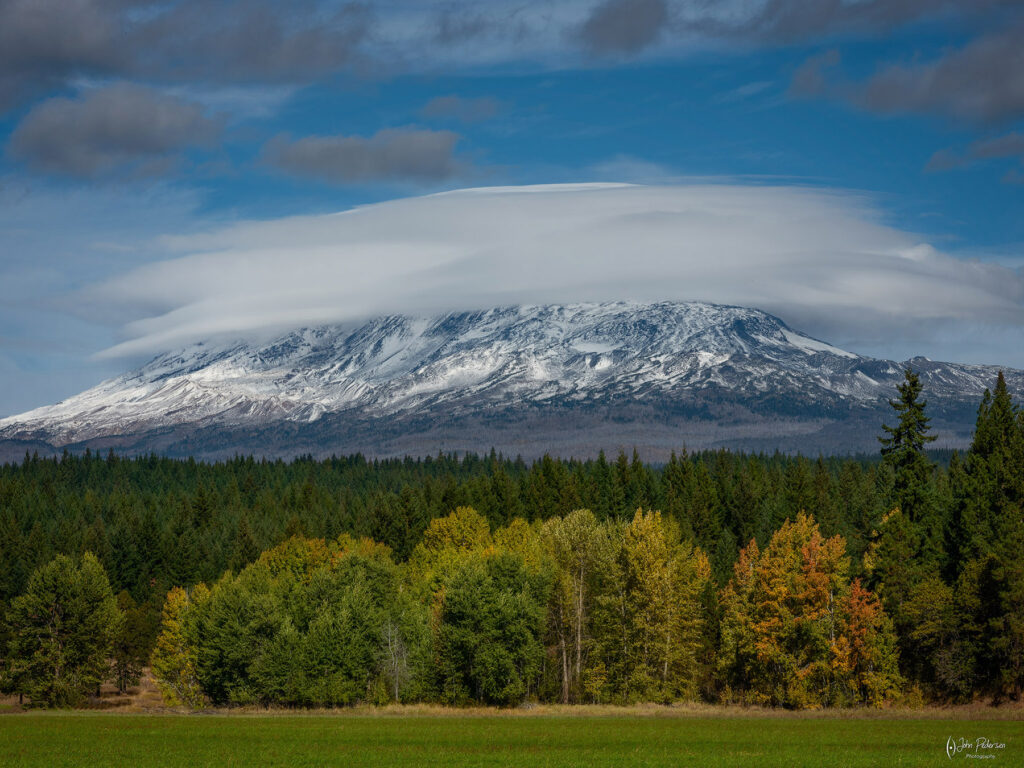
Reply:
x=649 y=614
x=943 y=641
x=664 y=582
x=311 y=623
x=490 y=628
x=738 y=653
x=347 y=636
x=446 y=543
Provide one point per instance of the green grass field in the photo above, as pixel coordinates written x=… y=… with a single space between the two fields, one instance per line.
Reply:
x=100 y=739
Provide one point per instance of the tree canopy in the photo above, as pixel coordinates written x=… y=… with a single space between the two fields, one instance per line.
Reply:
x=779 y=580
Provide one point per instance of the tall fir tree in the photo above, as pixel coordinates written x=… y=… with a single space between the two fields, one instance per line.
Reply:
x=988 y=528
x=907 y=547
x=903 y=449
x=994 y=476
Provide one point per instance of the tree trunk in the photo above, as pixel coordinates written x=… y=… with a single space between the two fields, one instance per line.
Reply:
x=565 y=657
x=579 y=628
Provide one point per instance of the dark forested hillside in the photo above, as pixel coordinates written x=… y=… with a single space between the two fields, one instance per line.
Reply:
x=155 y=522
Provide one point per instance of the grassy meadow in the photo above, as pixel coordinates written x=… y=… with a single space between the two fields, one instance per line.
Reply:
x=490 y=738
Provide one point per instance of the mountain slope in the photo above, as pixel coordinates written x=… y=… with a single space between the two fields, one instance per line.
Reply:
x=572 y=379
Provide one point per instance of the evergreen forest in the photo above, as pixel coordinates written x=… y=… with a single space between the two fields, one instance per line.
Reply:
x=776 y=580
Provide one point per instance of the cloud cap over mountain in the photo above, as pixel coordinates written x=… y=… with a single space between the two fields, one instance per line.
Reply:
x=820 y=259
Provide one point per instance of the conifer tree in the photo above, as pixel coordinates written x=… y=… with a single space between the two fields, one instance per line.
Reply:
x=490 y=621
x=62 y=631
x=989 y=528
x=994 y=471
x=903 y=450
x=908 y=543
x=132 y=642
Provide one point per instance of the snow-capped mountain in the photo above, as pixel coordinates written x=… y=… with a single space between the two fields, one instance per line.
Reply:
x=525 y=379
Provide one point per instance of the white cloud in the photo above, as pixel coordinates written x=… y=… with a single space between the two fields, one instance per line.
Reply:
x=820 y=259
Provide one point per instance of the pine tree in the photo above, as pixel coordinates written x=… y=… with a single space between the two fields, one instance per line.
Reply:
x=907 y=546
x=990 y=530
x=490 y=621
x=132 y=642
x=62 y=631
x=903 y=450
x=995 y=484
x=245 y=548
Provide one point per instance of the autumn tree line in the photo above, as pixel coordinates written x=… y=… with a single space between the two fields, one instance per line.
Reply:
x=772 y=580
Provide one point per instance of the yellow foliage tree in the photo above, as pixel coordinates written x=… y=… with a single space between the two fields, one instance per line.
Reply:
x=173 y=662
x=664 y=580
x=444 y=546
x=582 y=550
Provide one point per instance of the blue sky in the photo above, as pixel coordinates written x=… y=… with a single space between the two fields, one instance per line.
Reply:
x=130 y=127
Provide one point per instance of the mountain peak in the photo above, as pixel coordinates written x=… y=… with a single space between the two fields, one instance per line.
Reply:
x=343 y=387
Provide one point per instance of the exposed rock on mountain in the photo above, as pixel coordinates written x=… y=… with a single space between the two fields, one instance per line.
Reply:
x=566 y=379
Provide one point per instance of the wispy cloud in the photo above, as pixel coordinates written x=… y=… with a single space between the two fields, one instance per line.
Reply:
x=466 y=110
x=820 y=259
x=983 y=82
x=390 y=155
x=118 y=129
x=793 y=21
x=810 y=79
x=1008 y=145
x=623 y=26
x=46 y=43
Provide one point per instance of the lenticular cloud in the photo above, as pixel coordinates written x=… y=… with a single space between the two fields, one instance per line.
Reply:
x=822 y=260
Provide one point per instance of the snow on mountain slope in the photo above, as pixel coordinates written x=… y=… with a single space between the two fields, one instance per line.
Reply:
x=489 y=362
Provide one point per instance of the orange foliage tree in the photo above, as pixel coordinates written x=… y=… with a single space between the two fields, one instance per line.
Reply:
x=796 y=633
